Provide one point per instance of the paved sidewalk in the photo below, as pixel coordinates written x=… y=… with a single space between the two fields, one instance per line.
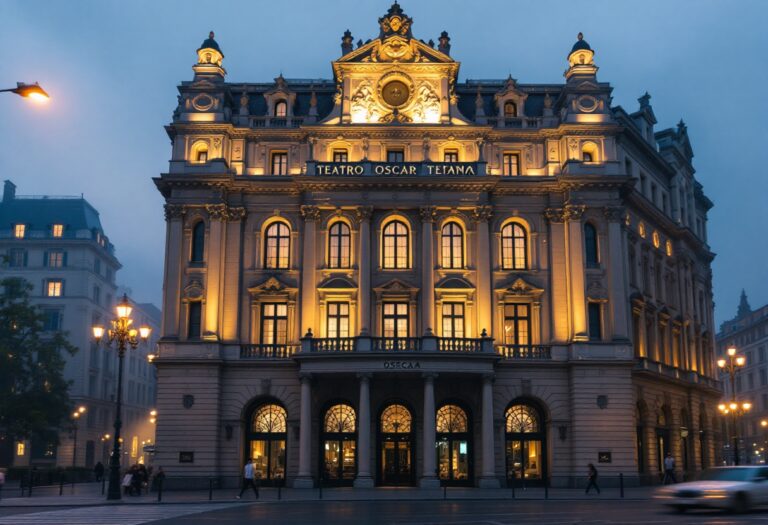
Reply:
x=88 y=494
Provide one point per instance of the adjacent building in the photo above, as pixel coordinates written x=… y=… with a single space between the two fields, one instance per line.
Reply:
x=394 y=277
x=58 y=245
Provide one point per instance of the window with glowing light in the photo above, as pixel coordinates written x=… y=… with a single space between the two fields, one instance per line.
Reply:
x=396 y=419
x=453 y=320
x=453 y=444
x=266 y=442
x=396 y=245
x=55 y=259
x=339 y=245
x=451 y=155
x=279 y=163
x=339 y=440
x=338 y=320
x=522 y=419
x=452 y=239
x=395 y=319
x=277 y=246
x=274 y=324
x=340 y=155
x=54 y=288
x=514 y=247
x=510 y=164
x=19 y=231
x=281 y=109
x=57 y=230
x=517 y=324
x=510 y=109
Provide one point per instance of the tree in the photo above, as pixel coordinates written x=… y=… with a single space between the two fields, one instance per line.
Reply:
x=34 y=396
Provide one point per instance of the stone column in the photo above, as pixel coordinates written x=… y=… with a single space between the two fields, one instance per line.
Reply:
x=619 y=303
x=427 y=270
x=364 y=269
x=310 y=214
x=214 y=266
x=576 y=272
x=482 y=216
x=429 y=462
x=304 y=478
x=364 y=478
x=559 y=270
x=174 y=215
x=488 y=477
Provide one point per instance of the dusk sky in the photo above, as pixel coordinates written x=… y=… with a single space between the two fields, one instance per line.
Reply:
x=111 y=68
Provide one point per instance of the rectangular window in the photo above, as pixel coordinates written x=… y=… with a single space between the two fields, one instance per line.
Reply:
x=395 y=320
x=595 y=322
x=340 y=155
x=511 y=164
x=453 y=320
x=763 y=377
x=274 y=324
x=338 y=320
x=19 y=231
x=20 y=448
x=653 y=193
x=751 y=380
x=57 y=230
x=195 y=320
x=451 y=155
x=628 y=167
x=17 y=258
x=54 y=288
x=517 y=324
x=395 y=155
x=55 y=259
x=761 y=354
x=202 y=155
x=51 y=320
x=96 y=295
x=97 y=266
x=279 y=163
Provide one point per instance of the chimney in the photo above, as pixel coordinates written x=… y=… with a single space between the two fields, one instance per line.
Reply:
x=9 y=191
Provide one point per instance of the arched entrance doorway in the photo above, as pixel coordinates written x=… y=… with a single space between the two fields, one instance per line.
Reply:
x=396 y=456
x=525 y=444
x=265 y=442
x=338 y=441
x=454 y=451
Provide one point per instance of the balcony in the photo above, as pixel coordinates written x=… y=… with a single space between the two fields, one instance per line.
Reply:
x=275 y=122
x=524 y=351
x=268 y=351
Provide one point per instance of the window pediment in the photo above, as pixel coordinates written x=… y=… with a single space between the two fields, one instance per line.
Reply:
x=455 y=283
x=272 y=286
x=337 y=283
x=519 y=287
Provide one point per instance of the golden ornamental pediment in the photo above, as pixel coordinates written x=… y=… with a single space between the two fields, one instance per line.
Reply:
x=521 y=288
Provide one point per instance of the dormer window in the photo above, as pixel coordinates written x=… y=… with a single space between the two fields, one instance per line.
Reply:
x=57 y=230
x=510 y=109
x=281 y=109
x=19 y=231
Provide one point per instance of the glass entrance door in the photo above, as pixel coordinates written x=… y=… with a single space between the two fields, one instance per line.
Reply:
x=339 y=461
x=524 y=461
x=453 y=460
x=396 y=462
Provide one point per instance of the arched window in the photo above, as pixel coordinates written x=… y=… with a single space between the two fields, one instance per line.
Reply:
x=525 y=438
x=514 y=247
x=452 y=237
x=338 y=444
x=199 y=153
x=339 y=246
x=277 y=246
x=396 y=245
x=589 y=152
x=453 y=445
x=281 y=108
x=510 y=109
x=395 y=446
x=266 y=438
x=198 y=243
x=590 y=246
x=396 y=419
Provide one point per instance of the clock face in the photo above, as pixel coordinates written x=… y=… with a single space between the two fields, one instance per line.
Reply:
x=395 y=93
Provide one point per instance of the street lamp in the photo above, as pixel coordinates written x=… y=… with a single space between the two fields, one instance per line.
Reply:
x=735 y=410
x=732 y=366
x=124 y=335
x=76 y=417
x=31 y=91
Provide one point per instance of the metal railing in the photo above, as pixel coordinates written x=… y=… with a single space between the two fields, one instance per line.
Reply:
x=268 y=351
x=459 y=344
x=392 y=344
x=335 y=344
x=524 y=351
x=275 y=122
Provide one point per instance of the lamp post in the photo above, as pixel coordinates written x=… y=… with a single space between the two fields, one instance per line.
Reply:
x=124 y=335
x=76 y=417
x=732 y=366
x=31 y=91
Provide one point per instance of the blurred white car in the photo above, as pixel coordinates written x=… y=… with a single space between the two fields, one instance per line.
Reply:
x=732 y=488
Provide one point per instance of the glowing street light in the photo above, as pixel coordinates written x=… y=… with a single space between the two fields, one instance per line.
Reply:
x=31 y=91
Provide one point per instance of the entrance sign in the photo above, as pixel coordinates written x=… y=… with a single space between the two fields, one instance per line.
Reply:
x=395 y=169
x=401 y=365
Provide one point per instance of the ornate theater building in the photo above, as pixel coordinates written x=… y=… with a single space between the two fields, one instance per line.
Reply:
x=391 y=277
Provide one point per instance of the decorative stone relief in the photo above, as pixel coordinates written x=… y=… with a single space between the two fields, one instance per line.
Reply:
x=482 y=213
x=174 y=211
x=310 y=213
x=217 y=212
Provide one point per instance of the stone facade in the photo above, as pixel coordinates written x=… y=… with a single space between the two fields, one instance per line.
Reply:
x=517 y=274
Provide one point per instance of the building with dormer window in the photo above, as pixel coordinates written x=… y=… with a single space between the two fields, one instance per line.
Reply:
x=391 y=277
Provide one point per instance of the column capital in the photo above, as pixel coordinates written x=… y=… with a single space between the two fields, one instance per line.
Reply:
x=217 y=212
x=175 y=211
x=614 y=213
x=363 y=213
x=554 y=214
x=310 y=213
x=364 y=377
x=305 y=377
x=482 y=213
x=489 y=378
x=429 y=376
x=236 y=213
x=427 y=213
x=573 y=212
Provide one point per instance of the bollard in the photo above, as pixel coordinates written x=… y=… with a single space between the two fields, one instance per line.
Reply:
x=445 y=491
x=257 y=485
x=103 y=479
x=29 y=487
x=210 y=489
x=160 y=490
x=279 y=489
x=621 y=484
x=513 y=488
x=546 y=489
x=61 y=484
x=320 y=493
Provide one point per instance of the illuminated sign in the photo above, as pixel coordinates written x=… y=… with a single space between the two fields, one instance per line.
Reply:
x=396 y=169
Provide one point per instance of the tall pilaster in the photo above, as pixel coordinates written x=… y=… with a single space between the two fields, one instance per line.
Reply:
x=559 y=269
x=364 y=268
x=482 y=216
x=488 y=477
x=427 y=214
x=217 y=214
x=174 y=215
x=304 y=478
x=576 y=275
x=429 y=462
x=619 y=302
x=310 y=214
x=364 y=478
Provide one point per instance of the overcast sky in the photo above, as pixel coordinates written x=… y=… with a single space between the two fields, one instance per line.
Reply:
x=112 y=68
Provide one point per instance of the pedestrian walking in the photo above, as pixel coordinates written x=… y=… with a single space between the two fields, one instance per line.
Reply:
x=592 y=479
x=98 y=470
x=248 y=480
x=159 y=478
x=2 y=482
x=669 y=469
x=127 y=480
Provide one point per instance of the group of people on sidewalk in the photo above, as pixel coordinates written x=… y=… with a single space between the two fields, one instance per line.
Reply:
x=137 y=479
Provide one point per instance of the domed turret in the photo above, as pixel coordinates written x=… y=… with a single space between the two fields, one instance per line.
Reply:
x=581 y=59
x=580 y=44
x=209 y=58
